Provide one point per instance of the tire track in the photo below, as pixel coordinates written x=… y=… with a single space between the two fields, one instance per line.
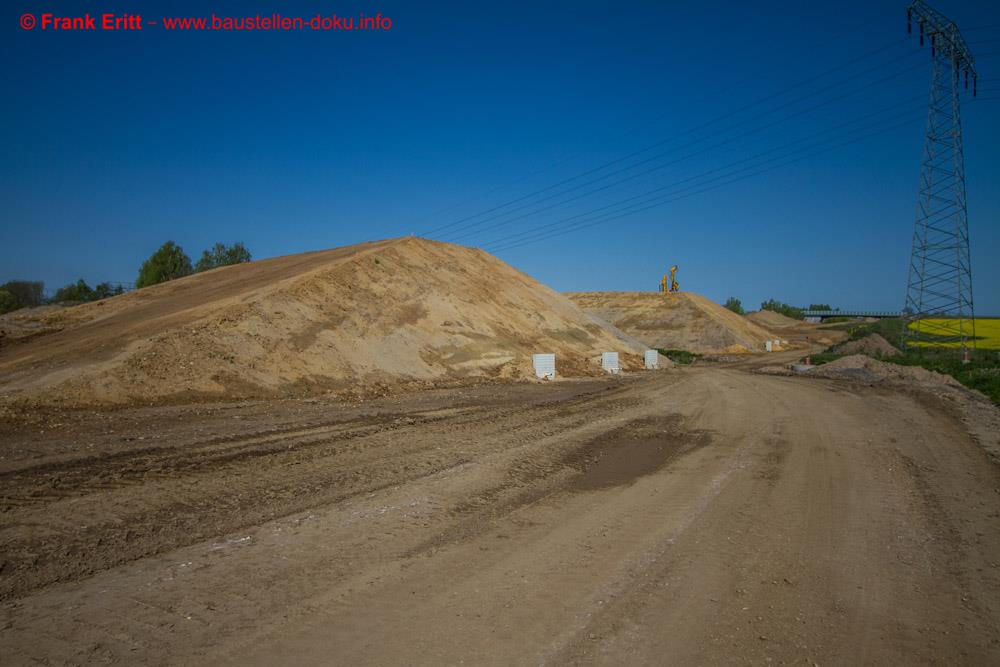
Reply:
x=65 y=520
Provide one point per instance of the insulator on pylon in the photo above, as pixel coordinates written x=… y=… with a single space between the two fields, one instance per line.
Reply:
x=974 y=80
x=933 y=46
x=909 y=21
x=921 y=33
x=966 y=79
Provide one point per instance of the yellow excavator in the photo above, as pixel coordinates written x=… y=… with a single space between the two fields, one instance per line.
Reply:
x=671 y=286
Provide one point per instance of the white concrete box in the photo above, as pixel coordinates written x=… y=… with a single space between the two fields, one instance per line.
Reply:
x=545 y=365
x=609 y=362
x=652 y=358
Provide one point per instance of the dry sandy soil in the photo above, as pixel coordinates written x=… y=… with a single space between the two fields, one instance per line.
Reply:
x=681 y=321
x=381 y=313
x=797 y=332
x=699 y=515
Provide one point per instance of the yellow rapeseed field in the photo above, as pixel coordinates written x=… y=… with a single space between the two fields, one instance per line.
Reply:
x=987 y=331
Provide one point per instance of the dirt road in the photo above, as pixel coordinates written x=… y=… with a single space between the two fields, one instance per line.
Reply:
x=698 y=515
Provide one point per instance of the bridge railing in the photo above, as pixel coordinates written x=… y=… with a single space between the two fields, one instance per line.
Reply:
x=851 y=313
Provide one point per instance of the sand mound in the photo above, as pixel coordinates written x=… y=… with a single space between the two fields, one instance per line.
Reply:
x=772 y=320
x=385 y=312
x=873 y=345
x=861 y=368
x=682 y=321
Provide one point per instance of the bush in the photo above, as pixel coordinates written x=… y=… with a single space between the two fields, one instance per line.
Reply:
x=26 y=293
x=78 y=291
x=167 y=263
x=106 y=290
x=81 y=291
x=222 y=255
x=821 y=358
x=679 y=356
x=821 y=306
x=7 y=301
x=735 y=305
x=783 y=308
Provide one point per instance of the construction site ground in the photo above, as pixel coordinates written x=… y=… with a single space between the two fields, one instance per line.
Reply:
x=706 y=514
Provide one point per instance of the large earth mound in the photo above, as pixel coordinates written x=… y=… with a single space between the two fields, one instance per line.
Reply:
x=680 y=320
x=373 y=314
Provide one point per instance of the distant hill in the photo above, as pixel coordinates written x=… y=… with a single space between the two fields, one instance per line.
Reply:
x=681 y=320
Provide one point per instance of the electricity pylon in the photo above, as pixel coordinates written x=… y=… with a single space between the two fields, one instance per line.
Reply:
x=938 y=311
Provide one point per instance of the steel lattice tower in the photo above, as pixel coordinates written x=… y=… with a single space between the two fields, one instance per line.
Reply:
x=938 y=310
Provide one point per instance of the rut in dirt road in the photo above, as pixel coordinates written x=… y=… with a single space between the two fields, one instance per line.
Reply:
x=70 y=518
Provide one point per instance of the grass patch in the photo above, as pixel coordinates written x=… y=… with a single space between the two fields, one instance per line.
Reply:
x=823 y=358
x=679 y=356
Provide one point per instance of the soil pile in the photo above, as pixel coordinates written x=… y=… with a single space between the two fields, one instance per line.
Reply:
x=772 y=320
x=681 y=320
x=861 y=368
x=874 y=345
x=380 y=313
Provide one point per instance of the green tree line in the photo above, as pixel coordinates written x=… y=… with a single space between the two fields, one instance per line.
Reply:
x=167 y=263
x=788 y=310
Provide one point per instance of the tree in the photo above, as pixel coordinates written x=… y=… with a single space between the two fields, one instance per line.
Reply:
x=8 y=301
x=26 y=293
x=78 y=291
x=821 y=306
x=783 y=308
x=222 y=255
x=735 y=305
x=105 y=290
x=167 y=263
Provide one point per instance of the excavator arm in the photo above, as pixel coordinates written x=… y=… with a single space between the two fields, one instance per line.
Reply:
x=668 y=285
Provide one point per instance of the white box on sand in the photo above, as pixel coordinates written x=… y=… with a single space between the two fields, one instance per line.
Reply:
x=545 y=365
x=609 y=362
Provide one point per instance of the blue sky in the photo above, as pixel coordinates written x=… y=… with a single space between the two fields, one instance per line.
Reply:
x=114 y=142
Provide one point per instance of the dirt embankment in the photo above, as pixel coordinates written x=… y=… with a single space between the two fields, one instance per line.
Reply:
x=872 y=345
x=863 y=368
x=682 y=320
x=404 y=310
x=797 y=332
x=773 y=320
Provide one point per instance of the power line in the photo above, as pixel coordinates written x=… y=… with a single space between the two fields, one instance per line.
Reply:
x=467 y=228
x=837 y=37
x=500 y=247
x=592 y=223
x=672 y=137
x=717 y=169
